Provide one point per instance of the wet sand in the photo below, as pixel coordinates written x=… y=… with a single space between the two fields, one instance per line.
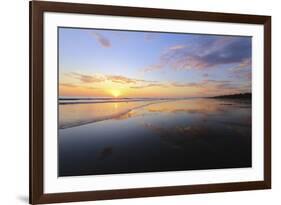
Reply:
x=154 y=136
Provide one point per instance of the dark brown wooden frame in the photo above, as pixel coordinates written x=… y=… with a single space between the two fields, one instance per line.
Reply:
x=37 y=8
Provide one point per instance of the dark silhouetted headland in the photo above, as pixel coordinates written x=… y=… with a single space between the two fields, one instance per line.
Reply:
x=236 y=96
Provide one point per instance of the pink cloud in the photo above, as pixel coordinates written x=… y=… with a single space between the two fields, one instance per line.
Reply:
x=98 y=78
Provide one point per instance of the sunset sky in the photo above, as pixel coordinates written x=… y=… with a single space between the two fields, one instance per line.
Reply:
x=107 y=63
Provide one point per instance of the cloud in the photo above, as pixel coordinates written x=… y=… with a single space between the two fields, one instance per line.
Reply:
x=205 y=75
x=206 y=87
x=247 y=75
x=207 y=52
x=216 y=81
x=103 y=41
x=212 y=87
x=149 y=85
x=125 y=80
x=175 y=84
x=204 y=52
x=224 y=86
x=246 y=63
x=242 y=70
x=98 y=78
x=177 y=47
x=120 y=79
x=235 y=51
x=95 y=78
x=70 y=85
x=161 y=64
x=204 y=83
x=154 y=67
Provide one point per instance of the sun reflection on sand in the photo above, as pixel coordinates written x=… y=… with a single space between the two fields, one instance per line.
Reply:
x=79 y=114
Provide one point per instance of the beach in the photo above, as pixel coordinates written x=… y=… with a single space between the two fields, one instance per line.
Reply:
x=133 y=135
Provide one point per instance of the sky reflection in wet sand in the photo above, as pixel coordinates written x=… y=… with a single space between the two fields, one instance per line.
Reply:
x=132 y=137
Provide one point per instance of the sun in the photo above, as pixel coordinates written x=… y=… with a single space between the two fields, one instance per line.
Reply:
x=115 y=93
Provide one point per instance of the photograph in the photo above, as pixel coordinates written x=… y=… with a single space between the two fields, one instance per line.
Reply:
x=151 y=101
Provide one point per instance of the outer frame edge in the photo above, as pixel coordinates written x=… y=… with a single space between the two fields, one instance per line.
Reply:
x=36 y=195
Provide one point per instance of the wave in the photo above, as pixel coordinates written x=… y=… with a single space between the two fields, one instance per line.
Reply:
x=63 y=101
x=106 y=117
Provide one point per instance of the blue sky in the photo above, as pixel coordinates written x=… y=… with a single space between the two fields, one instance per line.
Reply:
x=94 y=60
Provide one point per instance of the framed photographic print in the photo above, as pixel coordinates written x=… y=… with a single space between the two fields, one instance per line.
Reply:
x=138 y=102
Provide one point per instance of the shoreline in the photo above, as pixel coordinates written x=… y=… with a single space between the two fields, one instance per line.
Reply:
x=86 y=100
x=106 y=117
x=112 y=100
